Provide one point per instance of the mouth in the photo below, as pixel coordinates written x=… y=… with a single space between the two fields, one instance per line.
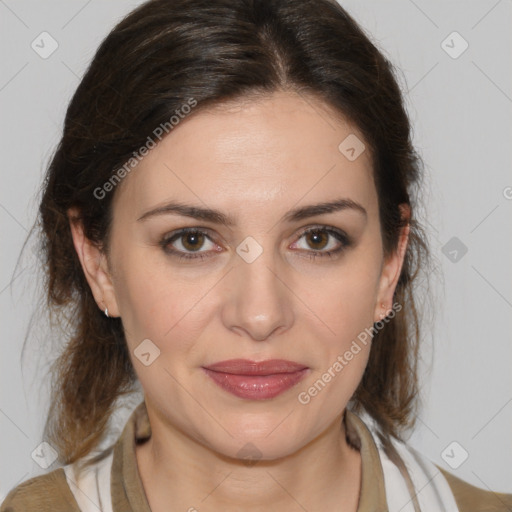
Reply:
x=256 y=380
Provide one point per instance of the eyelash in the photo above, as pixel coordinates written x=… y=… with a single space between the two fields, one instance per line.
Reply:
x=341 y=236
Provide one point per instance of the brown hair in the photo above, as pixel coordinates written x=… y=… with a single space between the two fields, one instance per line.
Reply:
x=156 y=59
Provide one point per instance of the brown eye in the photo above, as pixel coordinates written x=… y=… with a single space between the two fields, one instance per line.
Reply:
x=322 y=241
x=192 y=241
x=189 y=243
x=317 y=239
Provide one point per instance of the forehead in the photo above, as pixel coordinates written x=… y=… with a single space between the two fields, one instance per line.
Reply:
x=258 y=152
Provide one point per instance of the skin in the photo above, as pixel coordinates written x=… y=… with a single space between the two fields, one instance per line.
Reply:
x=254 y=160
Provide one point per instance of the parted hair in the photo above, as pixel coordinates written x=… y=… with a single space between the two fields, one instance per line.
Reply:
x=157 y=58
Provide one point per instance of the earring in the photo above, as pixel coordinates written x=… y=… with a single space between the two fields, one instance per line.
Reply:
x=383 y=314
x=106 y=312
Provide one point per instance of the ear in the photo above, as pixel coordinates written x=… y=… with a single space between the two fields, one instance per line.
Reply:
x=94 y=265
x=392 y=268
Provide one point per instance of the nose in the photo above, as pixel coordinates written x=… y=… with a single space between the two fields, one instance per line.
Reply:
x=259 y=304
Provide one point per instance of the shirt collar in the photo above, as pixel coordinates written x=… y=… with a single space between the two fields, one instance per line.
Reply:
x=128 y=492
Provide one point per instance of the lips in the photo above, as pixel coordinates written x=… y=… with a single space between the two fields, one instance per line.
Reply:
x=247 y=367
x=256 y=380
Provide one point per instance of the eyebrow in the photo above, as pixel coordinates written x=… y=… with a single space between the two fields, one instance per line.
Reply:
x=217 y=217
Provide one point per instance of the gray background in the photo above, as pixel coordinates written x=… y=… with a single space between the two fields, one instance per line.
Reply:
x=461 y=112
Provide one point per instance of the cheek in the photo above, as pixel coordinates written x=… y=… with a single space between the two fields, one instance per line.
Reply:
x=349 y=315
x=158 y=303
x=341 y=356
x=346 y=300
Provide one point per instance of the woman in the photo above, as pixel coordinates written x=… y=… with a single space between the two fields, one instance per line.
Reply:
x=228 y=221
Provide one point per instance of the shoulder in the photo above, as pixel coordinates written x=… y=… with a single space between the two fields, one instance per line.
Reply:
x=470 y=498
x=44 y=493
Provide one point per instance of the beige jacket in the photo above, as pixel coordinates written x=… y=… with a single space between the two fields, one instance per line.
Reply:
x=51 y=493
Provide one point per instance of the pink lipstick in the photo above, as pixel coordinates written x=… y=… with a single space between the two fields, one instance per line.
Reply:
x=256 y=380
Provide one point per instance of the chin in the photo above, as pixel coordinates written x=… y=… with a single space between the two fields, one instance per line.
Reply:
x=254 y=437
x=251 y=450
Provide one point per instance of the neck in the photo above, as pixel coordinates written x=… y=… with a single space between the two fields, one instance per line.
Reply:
x=178 y=473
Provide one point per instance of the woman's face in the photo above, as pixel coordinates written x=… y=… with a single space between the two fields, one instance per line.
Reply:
x=247 y=283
